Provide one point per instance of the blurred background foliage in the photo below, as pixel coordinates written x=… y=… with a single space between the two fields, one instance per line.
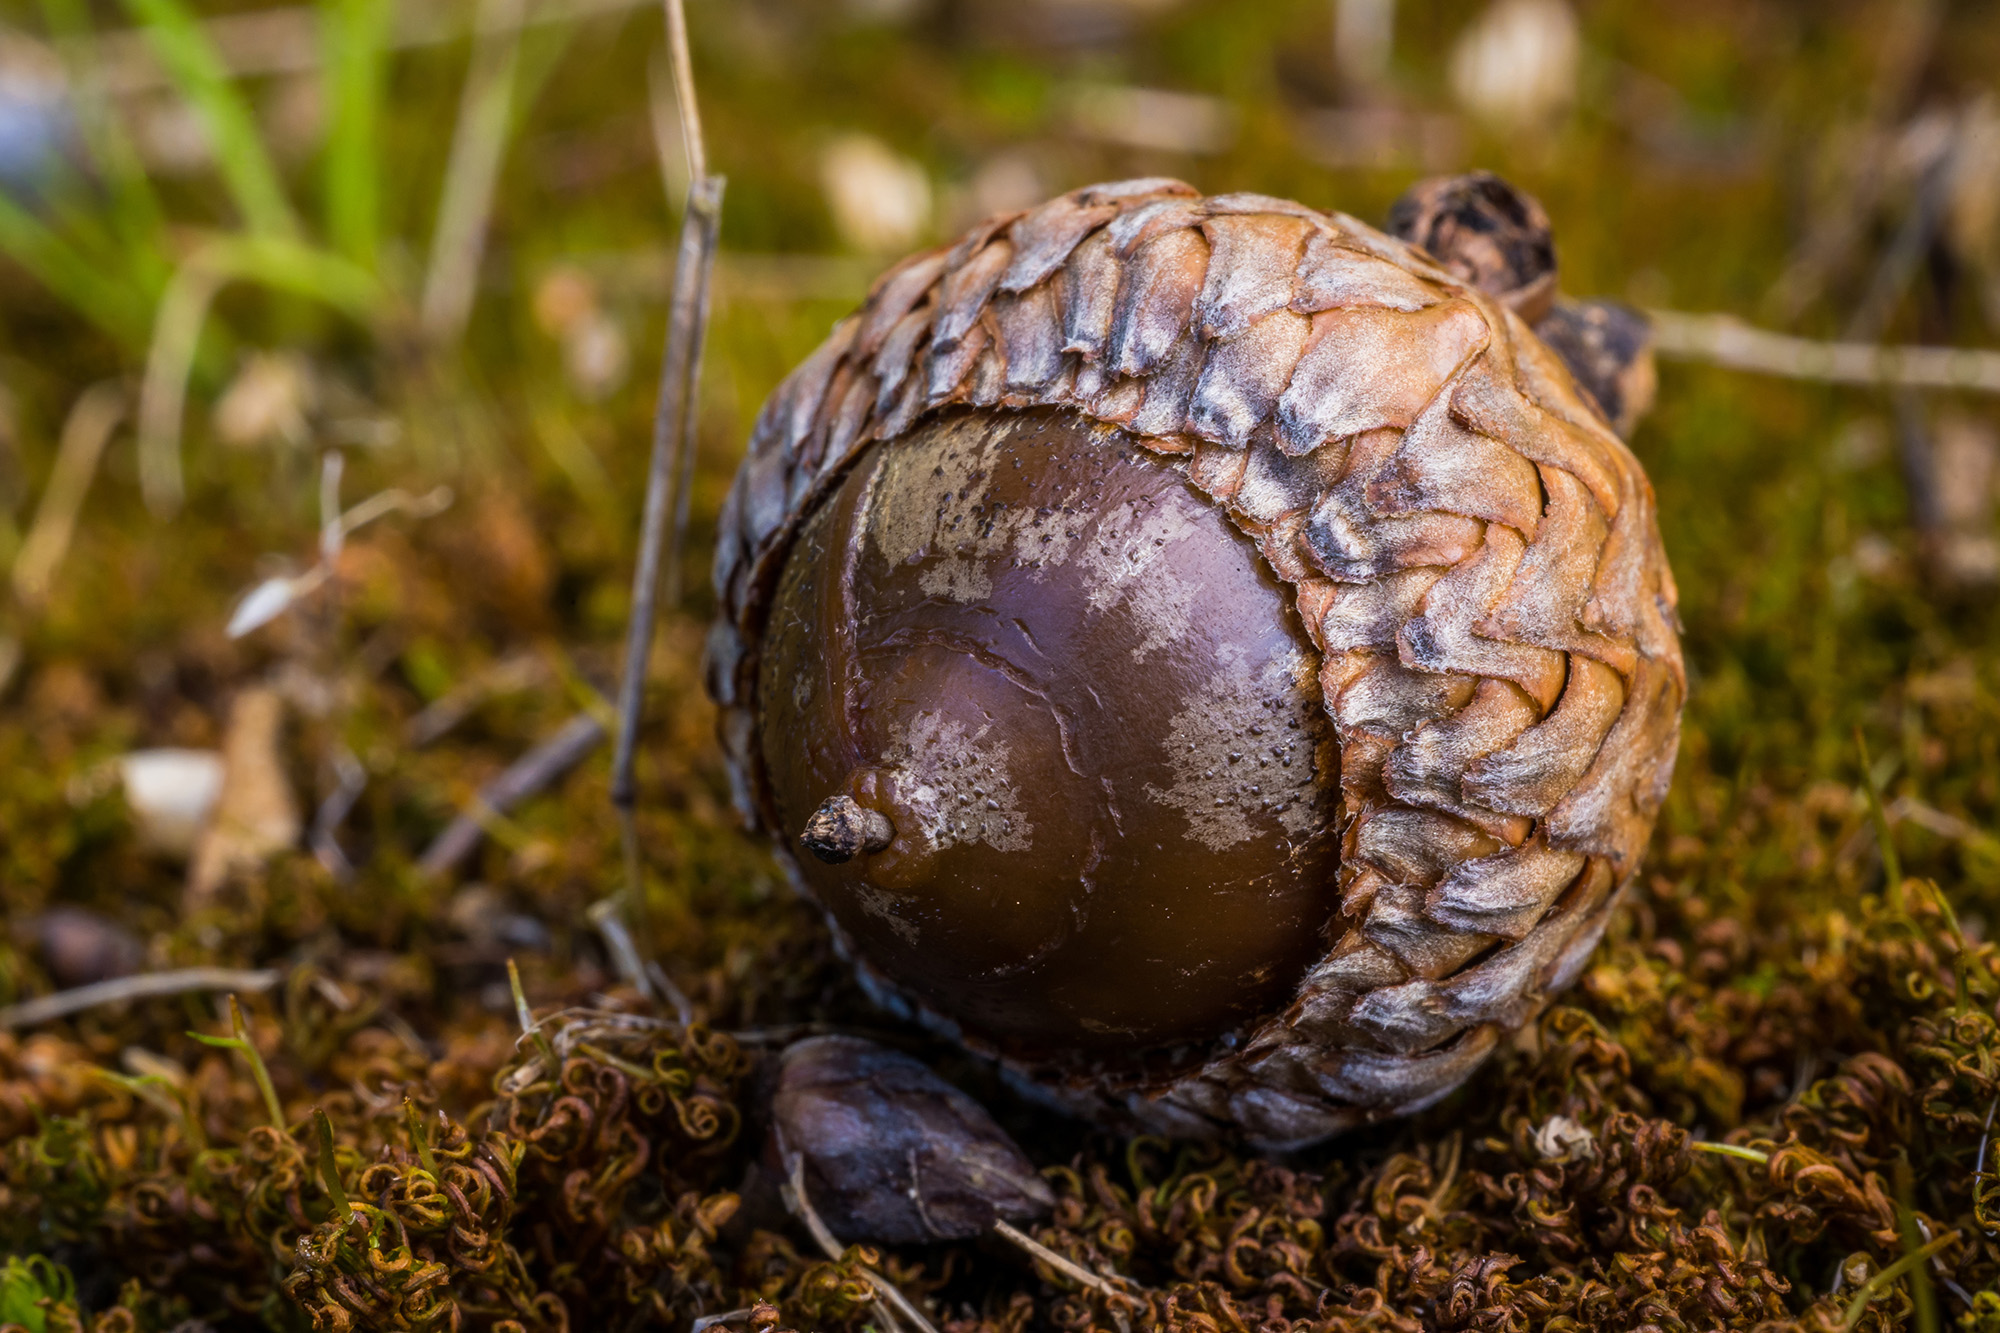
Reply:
x=262 y=264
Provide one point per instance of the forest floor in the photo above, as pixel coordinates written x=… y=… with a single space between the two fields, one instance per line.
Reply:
x=1767 y=1103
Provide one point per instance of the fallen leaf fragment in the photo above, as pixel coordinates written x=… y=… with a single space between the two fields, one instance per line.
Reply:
x=256 y=813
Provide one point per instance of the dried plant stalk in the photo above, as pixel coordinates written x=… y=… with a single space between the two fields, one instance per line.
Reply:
x=1724 y=340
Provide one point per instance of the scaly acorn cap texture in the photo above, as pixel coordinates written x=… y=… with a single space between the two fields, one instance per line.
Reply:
x=1472 y=551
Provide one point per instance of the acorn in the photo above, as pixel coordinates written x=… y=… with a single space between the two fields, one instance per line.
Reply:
x=1205 y=653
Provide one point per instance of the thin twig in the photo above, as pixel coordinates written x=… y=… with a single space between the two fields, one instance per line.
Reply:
x=726 y=1317
x=680 y=372
x=801 y=1206
x=1841 y=222
x=604 y=915
x=677 y=391
x=1899 y=261
x=1986 y=1135
x=1920 y=479
x=885 y=1290
x=523 y=778
x=466 y=203
x=1068 y=1267
x=683 y=489
x=144 y=986
x=85 y=432
x=350 y=780
x=512 y=674
x=1933 y=820
x=1725 y=340
x=664 y=985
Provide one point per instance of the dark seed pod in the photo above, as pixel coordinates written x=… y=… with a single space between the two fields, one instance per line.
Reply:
x=893 y=1153
x=1223 y=664
x=1609 y=348
x=80 y=947
x=1486 y=232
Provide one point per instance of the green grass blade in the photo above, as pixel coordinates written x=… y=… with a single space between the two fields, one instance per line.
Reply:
x=136 y=214
x=53 y=261
x=199 y=75
x=356 y=34
x=283 y=265
x=478 y=143
x=1892 y=865
x=305 y=270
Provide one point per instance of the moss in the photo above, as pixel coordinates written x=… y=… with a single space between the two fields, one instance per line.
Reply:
x=1773 y=1086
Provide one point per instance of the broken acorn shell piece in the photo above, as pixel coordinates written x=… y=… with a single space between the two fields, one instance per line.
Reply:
x=1353 y=460
x=891 y=1152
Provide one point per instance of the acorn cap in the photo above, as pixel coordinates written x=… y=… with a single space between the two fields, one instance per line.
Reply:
x=1471 y=553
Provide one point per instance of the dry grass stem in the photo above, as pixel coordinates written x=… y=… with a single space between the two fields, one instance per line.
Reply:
x=689 y=106
x=1730 y=1150
x=163 y=393
x=144 y=986
x=886 y=1291
x=604 y=914
x=1725 y=340
x=672 y=450
x=1069 y=1268
x=670 y=144
x=86 y=431
x=526 y=777
x=350 y=780
x=510 y=675
x=458 y=243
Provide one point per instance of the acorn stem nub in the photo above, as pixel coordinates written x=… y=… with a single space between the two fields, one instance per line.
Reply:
x=843 y=828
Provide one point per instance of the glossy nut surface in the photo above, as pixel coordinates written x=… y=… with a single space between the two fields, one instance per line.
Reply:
x=1087 y=710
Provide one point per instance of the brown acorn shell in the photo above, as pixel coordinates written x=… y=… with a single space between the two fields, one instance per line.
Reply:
x=1474 y=553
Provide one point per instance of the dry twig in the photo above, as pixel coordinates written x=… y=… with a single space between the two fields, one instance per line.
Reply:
x=673 y=442
x=523 y=778
x=1840 y=224
x=88 y=429
x=144 y=986
x=350 y=780
x=459 y=241
x=886 y=1292
x=1068 y=1267
x=512 y=674
x=674 y=422
x=1724 y=340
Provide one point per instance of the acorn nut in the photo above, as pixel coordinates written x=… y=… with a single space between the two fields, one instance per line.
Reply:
x=1222 y=663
